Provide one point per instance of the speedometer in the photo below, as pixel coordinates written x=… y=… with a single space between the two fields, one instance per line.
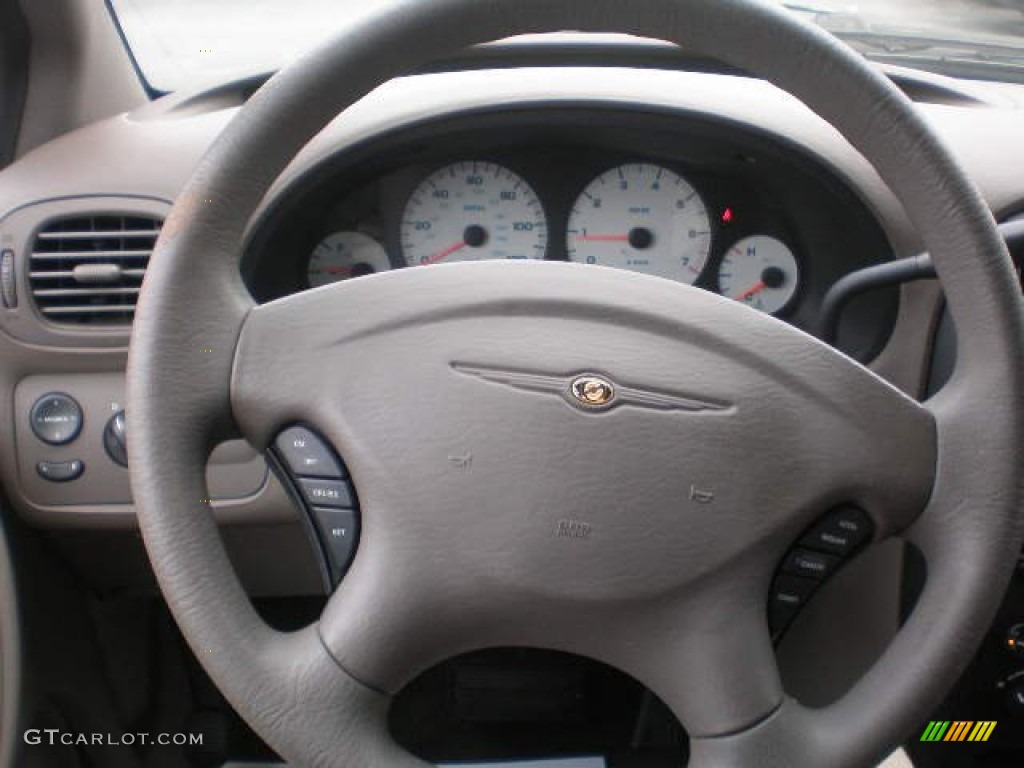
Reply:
x=643 y=218
x=470 y=211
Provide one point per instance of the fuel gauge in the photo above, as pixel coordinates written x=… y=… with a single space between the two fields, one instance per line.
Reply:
x=760 y=271
x=345 y=255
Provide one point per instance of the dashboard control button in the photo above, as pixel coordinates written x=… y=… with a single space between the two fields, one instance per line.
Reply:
x=813 y=565
x=56 y=418
x=306 y=454
x=8 y=287
x=339 y=529
x=840 y=533
x=788 y=595
x=326 y=493
x=115 y=439
x=60 y=471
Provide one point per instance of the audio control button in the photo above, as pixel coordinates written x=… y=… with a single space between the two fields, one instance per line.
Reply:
x=326 y=493
x=339 y=529
x=306 y=454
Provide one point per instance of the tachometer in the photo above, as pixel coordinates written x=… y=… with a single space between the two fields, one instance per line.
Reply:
x=643 y=218
x=760 y=271
x=344 y=255
x=470 y=211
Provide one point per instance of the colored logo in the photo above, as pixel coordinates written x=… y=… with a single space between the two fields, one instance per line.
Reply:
x=592 y=391
x=958 y=730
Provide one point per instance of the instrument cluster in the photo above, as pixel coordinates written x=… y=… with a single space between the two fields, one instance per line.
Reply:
x=691 y=198
x=639 y=215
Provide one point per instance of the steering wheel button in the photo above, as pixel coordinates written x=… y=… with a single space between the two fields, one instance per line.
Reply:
x=56 y=418
x=840 y=533
x=339 y=529
x=813 y=565
x=60 y=471
x=792 y=590
x=326 y=493
x=307 y=455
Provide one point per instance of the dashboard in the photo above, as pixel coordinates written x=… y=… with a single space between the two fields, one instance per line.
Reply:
x=757 y=199
x=711 y=205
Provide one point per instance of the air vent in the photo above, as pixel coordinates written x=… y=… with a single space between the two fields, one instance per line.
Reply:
x=86 y=270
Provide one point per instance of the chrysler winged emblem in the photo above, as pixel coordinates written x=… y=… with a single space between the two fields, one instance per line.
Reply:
x=590 y=391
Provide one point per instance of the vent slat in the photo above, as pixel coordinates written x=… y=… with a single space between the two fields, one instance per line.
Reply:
x=47 y=293
x=70 y=274
x=83 y=255
x=93 y=309
x=98 y=235
x=88 y=269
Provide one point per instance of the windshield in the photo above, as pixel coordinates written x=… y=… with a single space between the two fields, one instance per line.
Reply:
x=182 y=43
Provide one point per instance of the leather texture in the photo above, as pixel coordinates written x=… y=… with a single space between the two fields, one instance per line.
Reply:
x=193 y=308
x=448 y=393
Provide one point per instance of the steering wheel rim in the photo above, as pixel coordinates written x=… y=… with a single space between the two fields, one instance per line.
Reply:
x=319 y=696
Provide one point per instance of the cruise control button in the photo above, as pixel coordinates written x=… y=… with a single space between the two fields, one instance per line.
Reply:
x=56 y=418
x=813 y=565
x=339 y=529
x=326 y=493
x=788 y=596
x=306 y=454
x=60 y=471
x=840 y=533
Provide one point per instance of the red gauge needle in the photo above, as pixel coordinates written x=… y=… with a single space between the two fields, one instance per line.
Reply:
x=604 y=238
x=337 y=270
x=441 y=255
x=753 y=291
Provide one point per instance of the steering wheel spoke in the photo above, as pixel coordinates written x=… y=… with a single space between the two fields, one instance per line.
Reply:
x=709 y=655
x=706 y=648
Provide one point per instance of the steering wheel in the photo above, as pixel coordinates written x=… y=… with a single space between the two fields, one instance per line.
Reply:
x=400 y=371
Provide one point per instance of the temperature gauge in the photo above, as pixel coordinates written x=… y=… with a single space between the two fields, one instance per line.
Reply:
x=345 y=255
x=760 y=271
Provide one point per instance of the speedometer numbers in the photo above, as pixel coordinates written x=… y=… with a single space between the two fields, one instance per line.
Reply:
x=644 y=218
x=760 y=271
x=470 y=211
